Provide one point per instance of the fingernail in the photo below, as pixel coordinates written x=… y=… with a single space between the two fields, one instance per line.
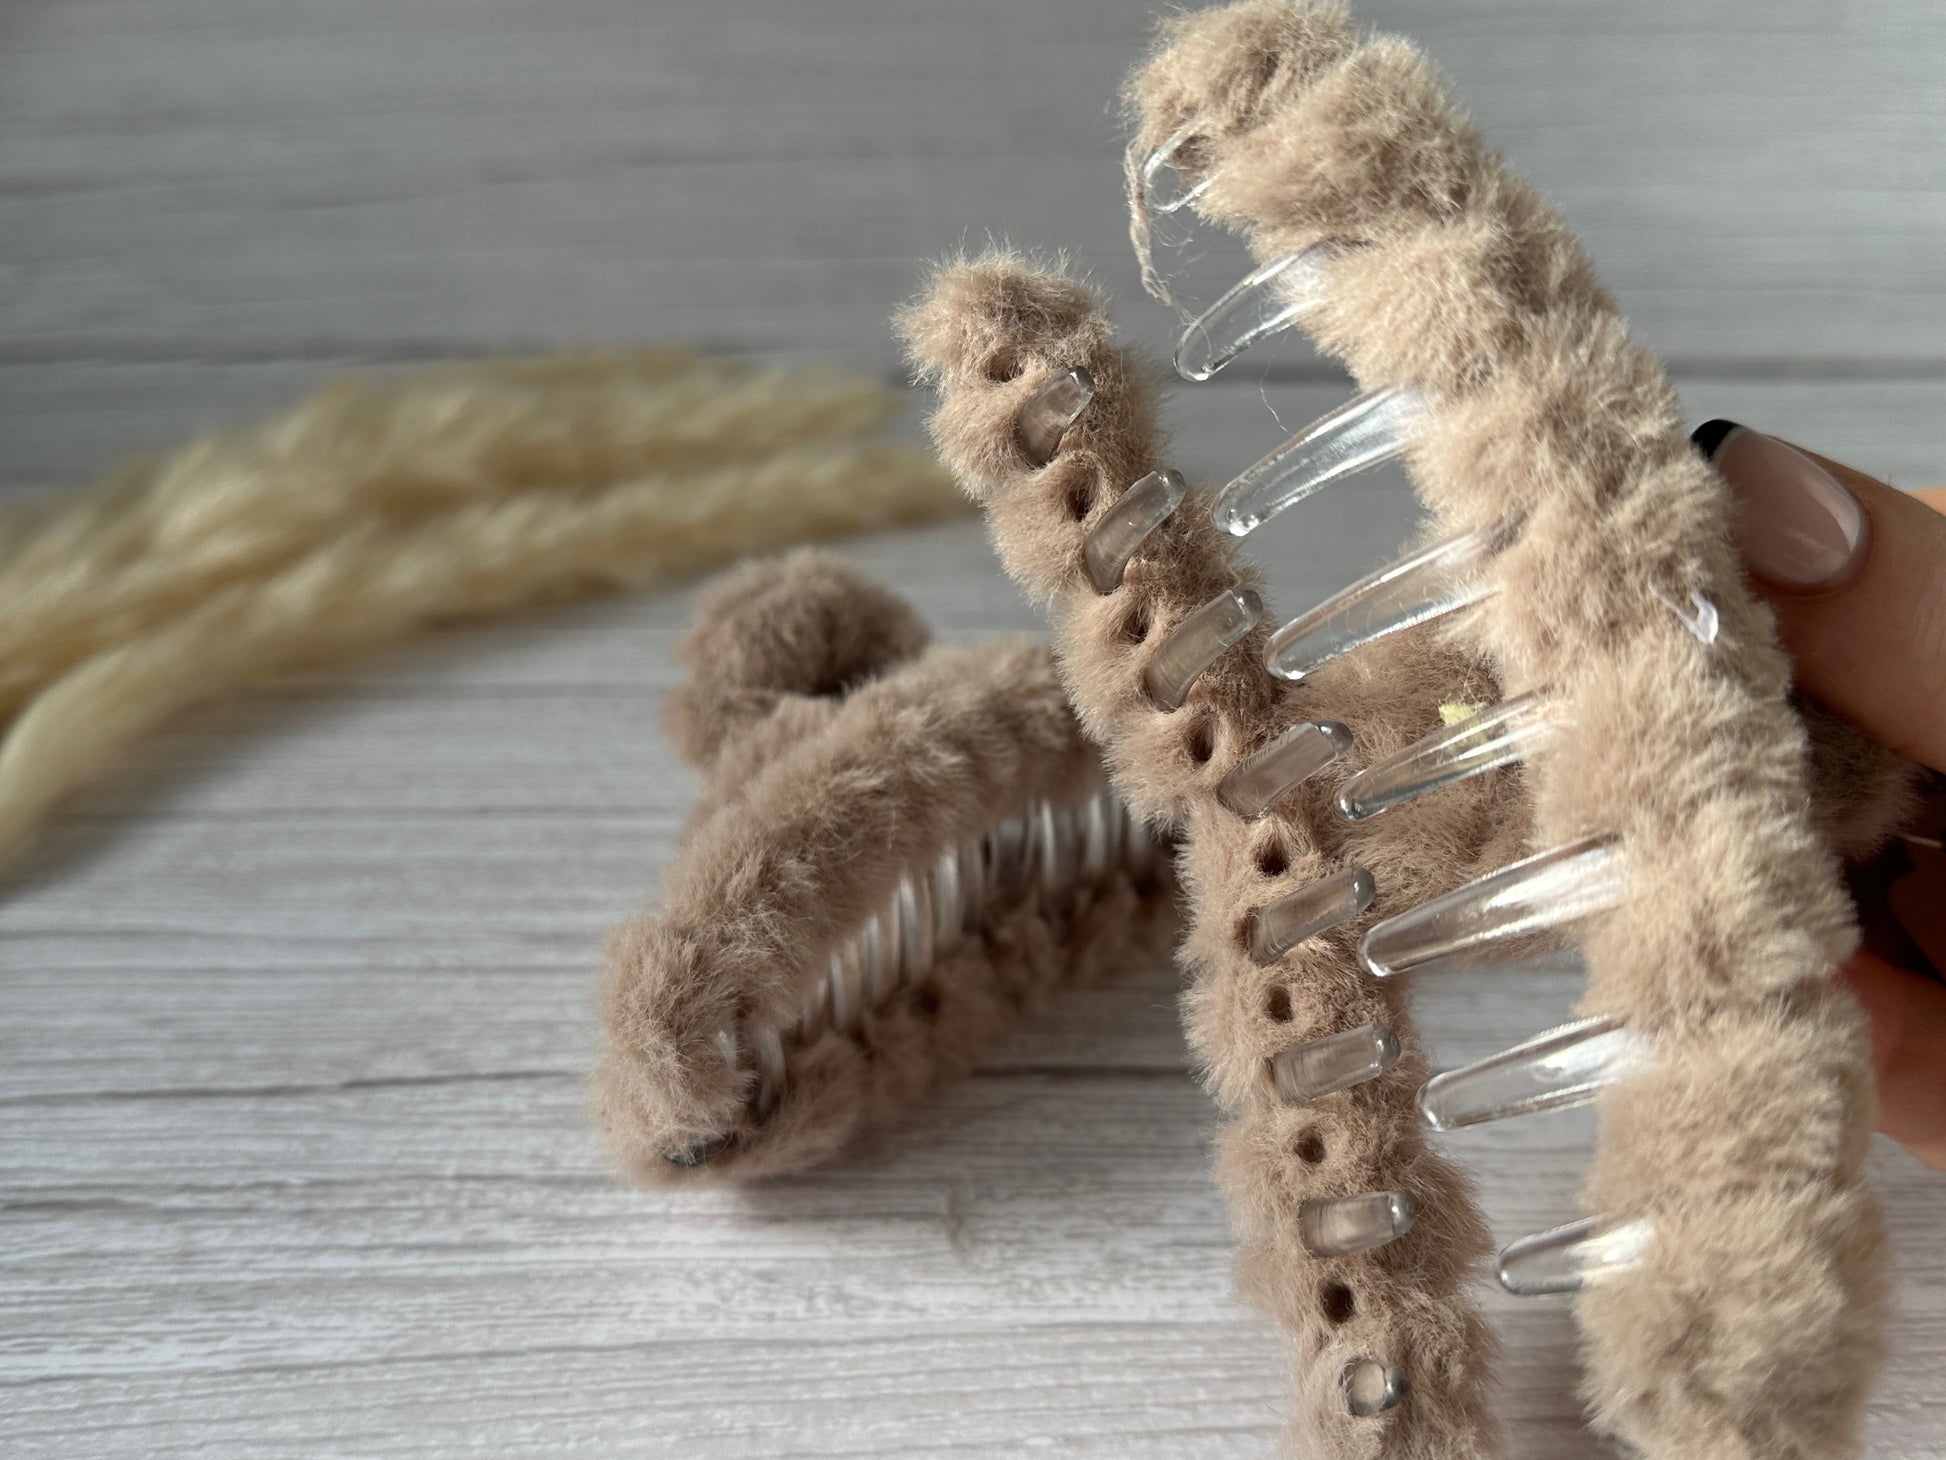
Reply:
x=1797 y=526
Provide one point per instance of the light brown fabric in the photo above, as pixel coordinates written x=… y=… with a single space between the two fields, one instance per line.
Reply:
x=1752 y=1330
x=989 y=334
x=841 y=753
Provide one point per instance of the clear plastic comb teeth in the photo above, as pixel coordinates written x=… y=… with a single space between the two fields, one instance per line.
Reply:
x=1164 y=187
x=1424 y=585
x=1541 y=895
x=1562 y=1068
x=1279 y=926
x=1266 y=302
x=1263 y=778
x=1335 y=1226
x=1569 y=1258
x=1057 y=405
x=1194 y=644
x=1366 y=431
x=1482 y=742
x=1371 y=1387
x=1139 y=511
x=1335 y=1062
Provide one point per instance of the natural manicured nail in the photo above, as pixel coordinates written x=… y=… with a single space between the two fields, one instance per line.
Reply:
x=1797 y=526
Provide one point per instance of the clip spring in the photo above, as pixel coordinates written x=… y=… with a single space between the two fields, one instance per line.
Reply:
x=1053 y=853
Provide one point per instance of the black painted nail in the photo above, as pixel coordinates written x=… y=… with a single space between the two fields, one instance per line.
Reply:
x=1709 y=437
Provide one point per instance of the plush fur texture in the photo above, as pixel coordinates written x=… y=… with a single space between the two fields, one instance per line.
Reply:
x=988 y=334
x=1751 y=1331
x=373 y=511
x=840 y=753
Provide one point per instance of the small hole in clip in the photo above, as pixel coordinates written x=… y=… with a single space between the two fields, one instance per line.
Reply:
x=1081 y=499
x=1310 y=1147
x=1272 y=859
x=1277 y=1005
x=1201 y=742
x=1135 y=627
x=1337 y=1302
x=1004 y=365
x=925 y=1003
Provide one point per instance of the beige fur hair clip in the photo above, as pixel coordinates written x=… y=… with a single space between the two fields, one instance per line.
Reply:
x=1635 y=785
x=902 y=852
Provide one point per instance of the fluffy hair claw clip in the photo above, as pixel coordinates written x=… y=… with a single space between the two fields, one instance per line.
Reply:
x=903 y=851
x=1579 y=599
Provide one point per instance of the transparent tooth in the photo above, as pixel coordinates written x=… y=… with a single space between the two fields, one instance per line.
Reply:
x=1562 y=1068
x=846 y=977
x=917 y=928
x=1053 y=849
x=1120 y=828
x=814 y=1010
x=1365 y=432
x=1433 y=581
x=1264 y=777
x=1044 y=420
x=1265 y=301
x=1192 y=646
x=1126 y=526
x=1539 y=895
x=1094 y=819
x=726 y=1045
x=1332 y=1226
x=1010 y=854
x=1336 y=1062
x=1491 y=739
x=973 y=884
x=1277 y=927
x=769 y=1050
x=948 y=903
x=875 y=945
x=1164 y=189
x=1371 y=1387
x=1567 y=1259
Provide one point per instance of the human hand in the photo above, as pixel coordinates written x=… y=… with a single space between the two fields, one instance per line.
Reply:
x=1856 y=573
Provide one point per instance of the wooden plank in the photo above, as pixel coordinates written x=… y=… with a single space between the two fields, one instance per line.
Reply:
x=194 y=177
x=380 y=1270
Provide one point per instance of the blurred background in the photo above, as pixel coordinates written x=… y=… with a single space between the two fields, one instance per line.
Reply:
x=298 y=1007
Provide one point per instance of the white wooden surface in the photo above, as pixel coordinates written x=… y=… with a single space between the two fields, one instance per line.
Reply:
x=294 y=1013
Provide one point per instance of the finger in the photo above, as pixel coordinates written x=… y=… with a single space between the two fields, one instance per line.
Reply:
x=1908 y=1014
x=1856 y=572
x=1917 y=899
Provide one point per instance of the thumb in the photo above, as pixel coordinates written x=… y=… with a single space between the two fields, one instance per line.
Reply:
x=1856 y=572
x=1908 y=1014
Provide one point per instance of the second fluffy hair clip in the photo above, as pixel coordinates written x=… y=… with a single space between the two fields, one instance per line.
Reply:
x=902 y=852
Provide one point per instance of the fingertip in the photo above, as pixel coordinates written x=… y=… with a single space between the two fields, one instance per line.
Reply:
x=1908 y=1019
x=1861 y=604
